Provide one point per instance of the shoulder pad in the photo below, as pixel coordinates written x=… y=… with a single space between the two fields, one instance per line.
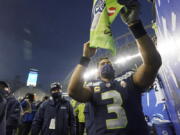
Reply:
x=93 y=83
x=124 y=76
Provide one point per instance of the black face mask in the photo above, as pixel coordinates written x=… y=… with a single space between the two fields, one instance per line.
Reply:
x=56 y=95
x=107 y=71
x=4 y=93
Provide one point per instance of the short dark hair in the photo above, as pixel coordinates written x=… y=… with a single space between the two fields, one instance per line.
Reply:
x=46 y=97
x=29 y=95
x=102 y=58
x=3 y=85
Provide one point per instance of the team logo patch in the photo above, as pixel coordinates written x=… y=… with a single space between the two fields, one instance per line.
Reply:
x=108 y=85
x=97 y=89
x=111 y=11
x=99 y=6
x=123 y=84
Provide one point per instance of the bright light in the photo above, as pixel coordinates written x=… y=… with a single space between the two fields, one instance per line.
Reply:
x=126 y=59
x=32 y=78
x=90 y=73
x=93 y=72
x=169 y=46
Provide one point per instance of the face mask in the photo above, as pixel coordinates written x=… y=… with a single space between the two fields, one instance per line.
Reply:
x=107 y=71
x=56 y=95
x=4 y=93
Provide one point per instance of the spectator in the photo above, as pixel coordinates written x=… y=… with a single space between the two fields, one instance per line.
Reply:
x=55 y=116
x=43 y=100
x=79 y=115
x=13 y=114
x=29 y=110
x=3 y=103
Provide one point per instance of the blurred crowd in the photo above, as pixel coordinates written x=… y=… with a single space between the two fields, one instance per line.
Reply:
x=53 y=115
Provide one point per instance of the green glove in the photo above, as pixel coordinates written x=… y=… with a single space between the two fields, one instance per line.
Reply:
x=130 y=13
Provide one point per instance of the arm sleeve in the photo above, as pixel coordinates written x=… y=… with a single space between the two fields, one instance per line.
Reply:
x=14 y=116
x=2 y=106
x=72 y=122
x=38 y=121
x=133 y=87
x=127 y=79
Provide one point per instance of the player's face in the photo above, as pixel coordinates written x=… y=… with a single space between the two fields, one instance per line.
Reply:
x=55 y=91
x=103 y=62
x=105 y=69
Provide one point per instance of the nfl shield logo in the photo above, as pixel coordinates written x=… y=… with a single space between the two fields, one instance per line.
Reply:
x=111 y=11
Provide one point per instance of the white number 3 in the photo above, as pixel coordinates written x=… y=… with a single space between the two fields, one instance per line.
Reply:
x=116 y=107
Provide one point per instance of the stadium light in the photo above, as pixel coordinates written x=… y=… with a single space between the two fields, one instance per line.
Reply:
x=126 y=59
x=90 y=73
x=169 y=46
x=93 y=72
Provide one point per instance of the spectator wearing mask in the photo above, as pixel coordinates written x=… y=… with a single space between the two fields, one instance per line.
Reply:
x=13 y=113
x=3 y=102
x=55 y=116
x=29 y=110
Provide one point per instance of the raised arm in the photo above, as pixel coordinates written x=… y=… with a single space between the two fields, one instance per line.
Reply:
x=75 y=88
x=146 y=73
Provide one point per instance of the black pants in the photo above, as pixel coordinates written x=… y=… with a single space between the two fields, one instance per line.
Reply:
x=25 y=128
x=81 y=128
x=10 y=130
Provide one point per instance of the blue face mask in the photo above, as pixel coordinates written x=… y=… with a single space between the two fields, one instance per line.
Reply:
x=107 y=71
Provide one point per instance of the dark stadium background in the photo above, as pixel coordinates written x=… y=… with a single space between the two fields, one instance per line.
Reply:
x=47 y=35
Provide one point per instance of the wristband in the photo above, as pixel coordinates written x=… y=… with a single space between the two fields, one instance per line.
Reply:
x=138 y=29
x=84 y=61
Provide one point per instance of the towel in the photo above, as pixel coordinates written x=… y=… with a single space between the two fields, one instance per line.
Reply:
x=104 y=13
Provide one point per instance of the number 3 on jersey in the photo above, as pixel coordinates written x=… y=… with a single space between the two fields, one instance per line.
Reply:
x=116 y=107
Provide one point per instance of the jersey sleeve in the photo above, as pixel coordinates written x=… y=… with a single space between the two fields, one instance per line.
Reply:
x=126 y=80
x=89 y=84
x=94 y=86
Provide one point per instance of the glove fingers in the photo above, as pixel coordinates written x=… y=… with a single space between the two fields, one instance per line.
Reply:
x=134 y=6
x=122 y=2
x=123 y=10
x=126 y=2
x=130 y=13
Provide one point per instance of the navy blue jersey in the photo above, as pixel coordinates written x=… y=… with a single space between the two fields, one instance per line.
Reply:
x=117 y=107
x=89 y=119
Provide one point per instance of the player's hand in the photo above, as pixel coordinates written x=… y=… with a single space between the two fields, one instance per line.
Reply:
x=130 y=13
x=88 y=51
x=125 y=2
